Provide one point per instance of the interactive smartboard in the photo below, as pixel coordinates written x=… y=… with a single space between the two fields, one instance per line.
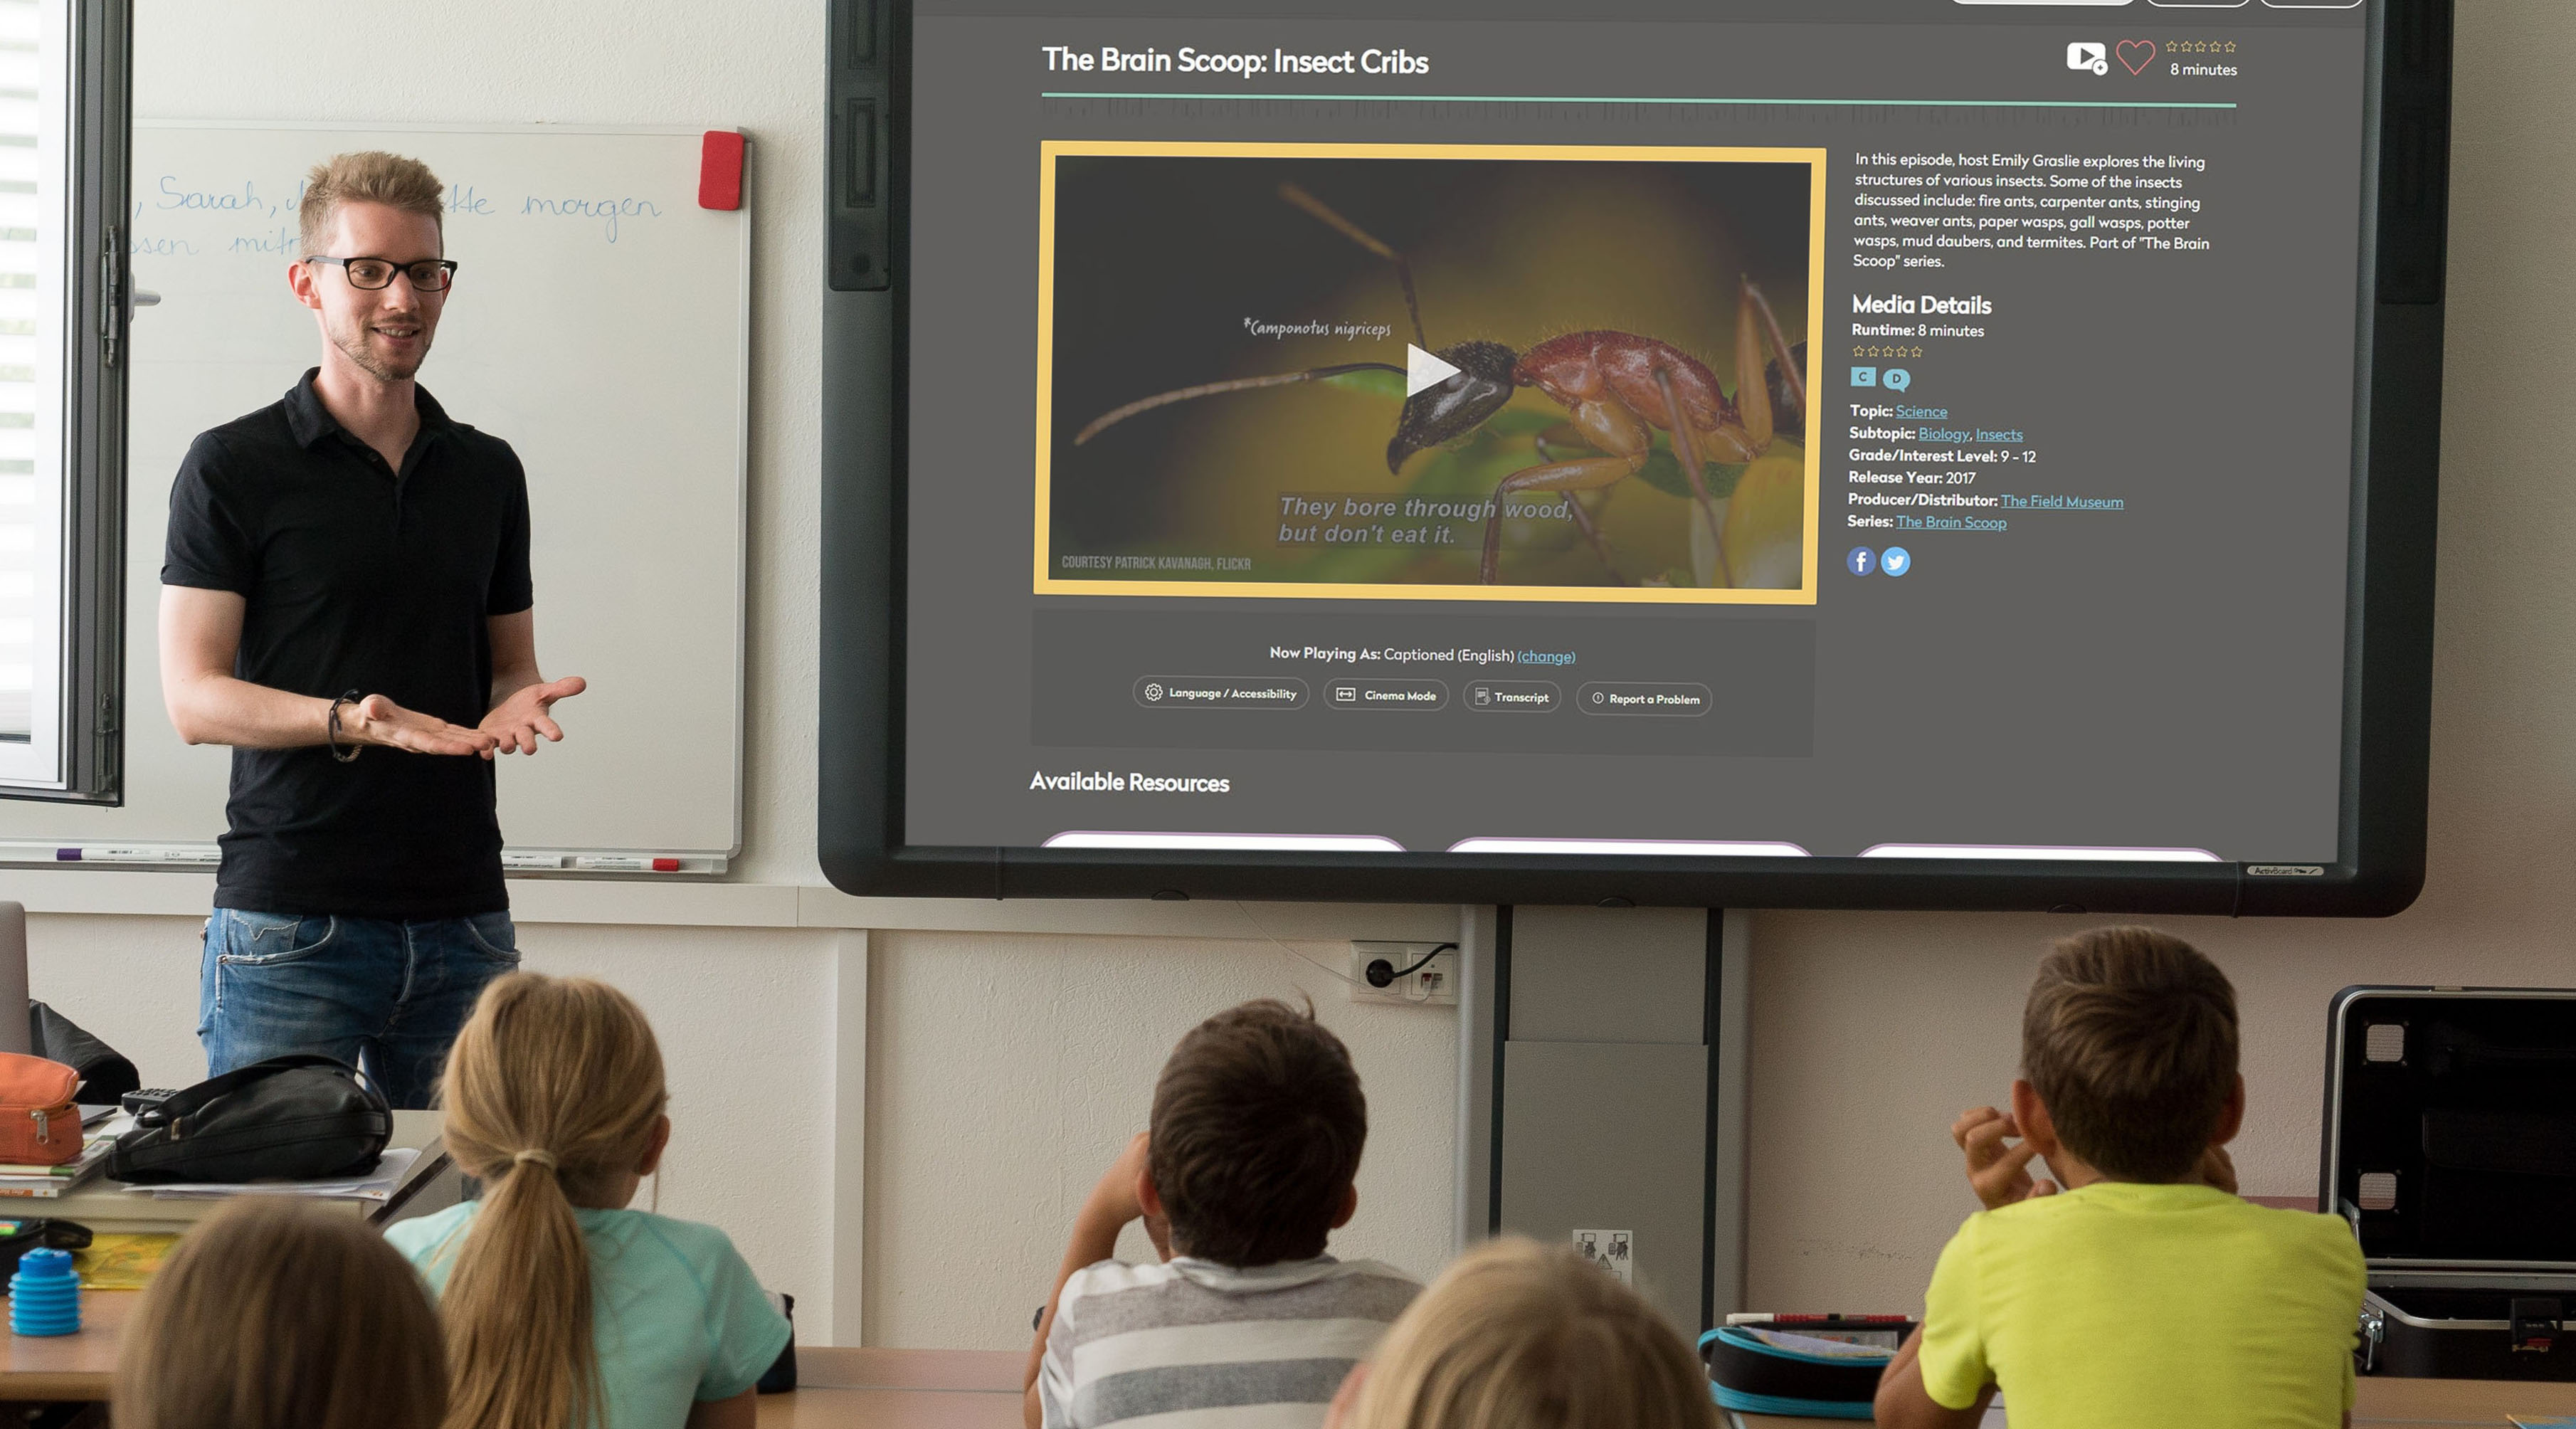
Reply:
x=1771 y=453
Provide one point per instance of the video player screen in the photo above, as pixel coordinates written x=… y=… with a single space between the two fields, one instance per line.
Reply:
x=1804 y=428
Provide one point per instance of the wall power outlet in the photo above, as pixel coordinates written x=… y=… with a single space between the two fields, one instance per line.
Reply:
x=1434 y=984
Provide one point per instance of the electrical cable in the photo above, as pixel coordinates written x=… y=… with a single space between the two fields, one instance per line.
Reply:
x=1292 y=952
x=1407 y=972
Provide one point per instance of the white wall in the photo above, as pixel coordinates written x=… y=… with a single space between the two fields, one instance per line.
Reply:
x=1871 y=1032
x=1007 y=1071
x=1004 y=1068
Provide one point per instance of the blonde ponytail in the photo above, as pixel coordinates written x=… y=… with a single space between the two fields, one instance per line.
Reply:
x=552 y=1095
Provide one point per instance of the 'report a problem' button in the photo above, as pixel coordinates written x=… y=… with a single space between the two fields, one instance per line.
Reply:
x=1667 y=701
x=1219 y=692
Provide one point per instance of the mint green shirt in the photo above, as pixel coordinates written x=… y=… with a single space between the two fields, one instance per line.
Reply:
x=677 y=1315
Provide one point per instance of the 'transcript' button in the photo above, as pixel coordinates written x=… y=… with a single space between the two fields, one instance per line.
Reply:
x=1220 y=692
x=1667 y=701
x=1514 y=697
x=1385 y=694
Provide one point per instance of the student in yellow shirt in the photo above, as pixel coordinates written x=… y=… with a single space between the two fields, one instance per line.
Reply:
x=2143 y=1294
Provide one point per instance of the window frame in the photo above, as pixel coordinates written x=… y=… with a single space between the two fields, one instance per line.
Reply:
x=89 y=690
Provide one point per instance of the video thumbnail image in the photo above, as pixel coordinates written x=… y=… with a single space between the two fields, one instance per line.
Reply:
x=1509 y=372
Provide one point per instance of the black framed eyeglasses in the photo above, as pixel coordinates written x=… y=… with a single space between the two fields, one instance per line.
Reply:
x=429 y=275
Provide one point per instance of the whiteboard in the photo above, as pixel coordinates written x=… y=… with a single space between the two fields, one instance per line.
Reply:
x=599 y=324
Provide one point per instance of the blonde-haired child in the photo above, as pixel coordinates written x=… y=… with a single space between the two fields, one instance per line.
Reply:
x=564 y=1310
x=1515 y=1336
x=278 y=1314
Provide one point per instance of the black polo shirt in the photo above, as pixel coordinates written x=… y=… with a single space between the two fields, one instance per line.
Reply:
x=358 y=577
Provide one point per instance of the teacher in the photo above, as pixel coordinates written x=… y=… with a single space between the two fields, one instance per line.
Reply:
x=346 y=602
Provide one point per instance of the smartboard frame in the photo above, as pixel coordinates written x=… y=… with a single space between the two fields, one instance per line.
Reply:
x=2379 y=867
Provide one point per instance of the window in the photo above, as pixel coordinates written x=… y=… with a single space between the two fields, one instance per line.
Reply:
x=63 y=159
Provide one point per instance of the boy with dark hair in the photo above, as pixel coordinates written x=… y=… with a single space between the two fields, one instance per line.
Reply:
x=1247 y=1167
x=2144 y=1293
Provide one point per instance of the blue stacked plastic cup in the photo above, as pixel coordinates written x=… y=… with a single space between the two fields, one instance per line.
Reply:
x=44 y=1296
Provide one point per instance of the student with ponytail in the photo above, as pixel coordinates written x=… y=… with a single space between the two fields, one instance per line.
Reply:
x=564 y=1309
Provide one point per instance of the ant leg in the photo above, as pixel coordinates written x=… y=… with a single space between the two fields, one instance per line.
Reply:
x=1586 y=474
x=1565 y=436
x=1367 y=240
x=1686 y=452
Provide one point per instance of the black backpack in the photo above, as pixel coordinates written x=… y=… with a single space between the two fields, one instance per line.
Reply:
x=105 y=1074
x=300 y=1117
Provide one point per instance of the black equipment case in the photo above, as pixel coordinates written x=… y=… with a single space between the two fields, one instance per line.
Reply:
x=2450 y=1145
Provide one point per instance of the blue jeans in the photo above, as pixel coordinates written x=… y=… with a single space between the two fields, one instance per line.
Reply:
x=381 y=995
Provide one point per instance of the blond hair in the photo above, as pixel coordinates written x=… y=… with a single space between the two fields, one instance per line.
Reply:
x=278 y=1314
x=370 y=176
x=552 y=1094
x=1514 y=1336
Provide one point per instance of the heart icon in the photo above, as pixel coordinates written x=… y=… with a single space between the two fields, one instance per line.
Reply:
x=2144 y=50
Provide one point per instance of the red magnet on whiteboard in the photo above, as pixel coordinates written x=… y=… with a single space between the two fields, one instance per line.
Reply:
x=720 y=169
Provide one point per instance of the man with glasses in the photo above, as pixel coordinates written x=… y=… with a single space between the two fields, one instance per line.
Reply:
x=346 y=602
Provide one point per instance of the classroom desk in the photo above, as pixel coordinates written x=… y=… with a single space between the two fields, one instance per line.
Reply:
x=899 y=1389
x=78 y=1367
x=980 y=1389
x=2419 y=1403
x=105 y=1205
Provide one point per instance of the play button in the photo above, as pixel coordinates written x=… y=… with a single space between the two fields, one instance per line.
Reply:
x=1421 y=370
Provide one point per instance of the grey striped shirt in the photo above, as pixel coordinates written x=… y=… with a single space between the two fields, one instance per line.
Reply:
x=1190 y=1344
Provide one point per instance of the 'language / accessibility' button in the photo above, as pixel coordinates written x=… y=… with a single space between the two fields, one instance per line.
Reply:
x=1220 y=692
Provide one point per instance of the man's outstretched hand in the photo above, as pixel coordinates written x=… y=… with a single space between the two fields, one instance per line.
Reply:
x=377 y=720
x=516 y=724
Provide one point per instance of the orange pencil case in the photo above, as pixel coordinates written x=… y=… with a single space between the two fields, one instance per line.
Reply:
x=39 y=1125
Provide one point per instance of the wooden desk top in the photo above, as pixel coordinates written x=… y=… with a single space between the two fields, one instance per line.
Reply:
x=899 y=1389
x=105 y=1205
x=77 y=1366
x=980 y=1389
x=80 y=1366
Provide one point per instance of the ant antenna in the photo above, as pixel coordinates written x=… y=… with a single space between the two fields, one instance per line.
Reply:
x=1779 y=344
x=1210 y=389
x=1362 y=237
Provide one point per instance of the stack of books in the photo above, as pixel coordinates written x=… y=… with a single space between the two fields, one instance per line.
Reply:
x=47 y=1182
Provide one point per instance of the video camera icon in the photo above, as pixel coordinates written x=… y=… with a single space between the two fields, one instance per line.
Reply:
x=2089 y=54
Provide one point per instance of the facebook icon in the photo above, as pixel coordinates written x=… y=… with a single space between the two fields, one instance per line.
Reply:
x=1861 y=559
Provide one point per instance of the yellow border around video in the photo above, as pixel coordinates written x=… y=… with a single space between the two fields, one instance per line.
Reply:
x=1050 y=150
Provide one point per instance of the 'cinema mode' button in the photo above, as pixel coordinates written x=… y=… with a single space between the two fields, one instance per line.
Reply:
x=1385 y=694
x=1515 y=697
x=1207 y=692
x=1669 y=701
